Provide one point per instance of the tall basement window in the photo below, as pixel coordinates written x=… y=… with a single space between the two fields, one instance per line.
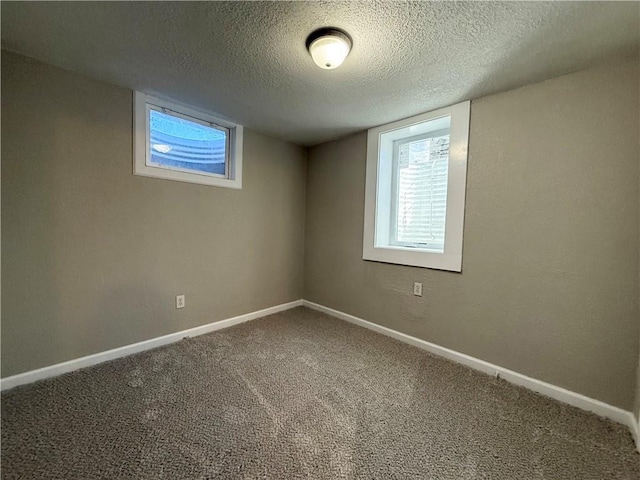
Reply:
x=415 y=190
x=176 y=142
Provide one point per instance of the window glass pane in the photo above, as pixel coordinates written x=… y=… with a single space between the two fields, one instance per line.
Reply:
x=421 y=192
x=177 y=143
x=415 y=190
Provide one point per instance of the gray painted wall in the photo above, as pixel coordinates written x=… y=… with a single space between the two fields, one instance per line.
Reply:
x=92 y=256
x=636 y=409
x=550 y=282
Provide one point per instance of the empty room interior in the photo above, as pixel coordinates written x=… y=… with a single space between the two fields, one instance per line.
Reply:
x=320 y=240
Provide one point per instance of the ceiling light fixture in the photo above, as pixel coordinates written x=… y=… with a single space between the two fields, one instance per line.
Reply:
x=329 y=47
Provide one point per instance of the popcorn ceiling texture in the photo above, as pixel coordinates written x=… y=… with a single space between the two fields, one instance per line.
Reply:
x=247 y=60
x=300 y=394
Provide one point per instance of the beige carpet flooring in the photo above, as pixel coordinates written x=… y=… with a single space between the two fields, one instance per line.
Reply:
x=299 y=395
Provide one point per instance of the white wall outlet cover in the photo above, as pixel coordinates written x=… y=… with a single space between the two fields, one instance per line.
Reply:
x=417 y=289
x=180 y=302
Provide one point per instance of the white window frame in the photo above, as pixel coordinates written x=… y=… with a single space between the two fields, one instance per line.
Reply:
x=378 y=149
x=141 y=158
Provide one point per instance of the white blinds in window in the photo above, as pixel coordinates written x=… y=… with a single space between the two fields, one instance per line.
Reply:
x=421 y=200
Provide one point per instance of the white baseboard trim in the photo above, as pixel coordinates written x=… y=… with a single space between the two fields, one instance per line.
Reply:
x=558 y=393
x=635 y=431
x=71 y=365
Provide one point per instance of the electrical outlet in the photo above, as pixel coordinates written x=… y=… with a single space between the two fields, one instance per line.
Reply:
x=417 y=289
x=180 y=301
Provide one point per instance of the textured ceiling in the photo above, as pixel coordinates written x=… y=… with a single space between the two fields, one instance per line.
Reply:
x=248 y=62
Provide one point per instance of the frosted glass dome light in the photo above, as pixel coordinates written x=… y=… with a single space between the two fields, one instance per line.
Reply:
x=329 y=47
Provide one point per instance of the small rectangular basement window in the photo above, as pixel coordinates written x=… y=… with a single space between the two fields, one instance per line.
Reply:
x=415 y=190
x=175 y=142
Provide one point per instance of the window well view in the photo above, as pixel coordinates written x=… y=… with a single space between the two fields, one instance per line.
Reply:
x=180 y=143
